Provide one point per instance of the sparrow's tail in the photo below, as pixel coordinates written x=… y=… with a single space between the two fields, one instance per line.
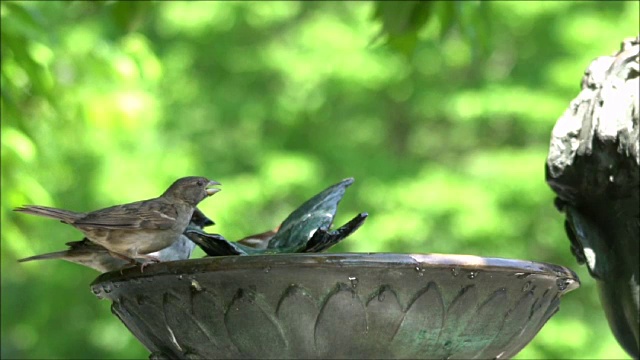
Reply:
x=63 y=215
x=53 y=255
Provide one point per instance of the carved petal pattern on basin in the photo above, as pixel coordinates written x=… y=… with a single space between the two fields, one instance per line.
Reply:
x=336 y=306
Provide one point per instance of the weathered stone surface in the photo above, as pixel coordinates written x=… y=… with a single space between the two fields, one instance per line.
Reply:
x=593 y=166
x=336 y=306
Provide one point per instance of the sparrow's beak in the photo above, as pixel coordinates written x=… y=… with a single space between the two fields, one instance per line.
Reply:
x=210 y=191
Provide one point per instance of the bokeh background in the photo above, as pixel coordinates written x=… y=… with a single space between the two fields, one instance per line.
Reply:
x=442 y=115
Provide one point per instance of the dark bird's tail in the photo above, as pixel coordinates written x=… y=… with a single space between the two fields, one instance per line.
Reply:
x=63 y=215
x=53 y=255
x=323 y=239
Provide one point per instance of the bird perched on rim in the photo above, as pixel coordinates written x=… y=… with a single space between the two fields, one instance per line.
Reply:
x=86 y=253
x=134 y=230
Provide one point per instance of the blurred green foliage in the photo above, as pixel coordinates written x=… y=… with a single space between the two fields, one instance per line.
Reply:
x=446 y=131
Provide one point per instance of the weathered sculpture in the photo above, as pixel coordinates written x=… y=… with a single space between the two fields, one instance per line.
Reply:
x=593 y=166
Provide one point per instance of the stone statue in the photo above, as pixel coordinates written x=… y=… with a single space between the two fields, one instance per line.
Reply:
x=593 y=166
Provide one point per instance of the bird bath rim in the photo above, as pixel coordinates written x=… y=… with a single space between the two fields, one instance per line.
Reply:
x=568 y=280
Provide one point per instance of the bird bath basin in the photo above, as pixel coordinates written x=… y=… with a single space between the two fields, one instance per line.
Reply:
x=337 y=305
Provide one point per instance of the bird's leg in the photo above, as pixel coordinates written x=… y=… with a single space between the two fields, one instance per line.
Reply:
x=150 y=259
x=131 y=261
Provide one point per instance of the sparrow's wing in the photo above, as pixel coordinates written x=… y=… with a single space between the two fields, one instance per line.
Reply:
x=154 y=214
x=85 y=245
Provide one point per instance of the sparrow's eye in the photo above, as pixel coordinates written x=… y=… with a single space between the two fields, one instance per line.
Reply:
x=200 y=182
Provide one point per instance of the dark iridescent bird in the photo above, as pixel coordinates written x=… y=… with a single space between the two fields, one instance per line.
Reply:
x=307 y=229
x=135 y=230
x=86 y=253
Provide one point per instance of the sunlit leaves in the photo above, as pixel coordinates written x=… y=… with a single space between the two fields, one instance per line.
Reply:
x=405 y=23
x=401 y=21
x=128 y=16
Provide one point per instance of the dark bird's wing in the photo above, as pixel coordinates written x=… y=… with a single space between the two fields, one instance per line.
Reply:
x=320 y=240
x=323 y=239
x=295 y=236
x=154 y=214
x=200 y=219
x=217 y=245
x=326 y=201
x=317 y=212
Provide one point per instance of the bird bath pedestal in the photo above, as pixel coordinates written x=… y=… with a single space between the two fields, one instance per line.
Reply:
x=337 y=305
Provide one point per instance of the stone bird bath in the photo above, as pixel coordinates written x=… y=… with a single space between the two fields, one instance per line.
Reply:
x=337 y=305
